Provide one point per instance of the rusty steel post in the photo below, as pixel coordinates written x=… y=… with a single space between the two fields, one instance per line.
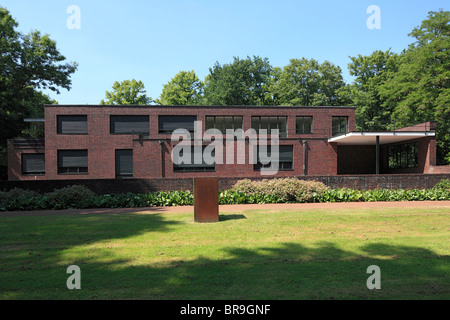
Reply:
x=206 y=199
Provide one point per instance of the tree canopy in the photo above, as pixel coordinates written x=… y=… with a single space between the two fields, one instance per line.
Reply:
x=184 y=89
x=29 y=63
x=306 y=82
x=127 y=92
x=241 y=82
x=419 y=89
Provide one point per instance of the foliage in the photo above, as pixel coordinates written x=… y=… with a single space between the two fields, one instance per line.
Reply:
x=29 y=63
x=280 y=190
x=289 y=190
x=419 y=90
x=242 y=82
x=443 y=184
x=127 y=92
x=306 y=82
x=370 y=73
x=69 y=197
x=184 y=89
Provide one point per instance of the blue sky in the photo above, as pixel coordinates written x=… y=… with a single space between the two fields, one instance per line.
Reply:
x=151 y=41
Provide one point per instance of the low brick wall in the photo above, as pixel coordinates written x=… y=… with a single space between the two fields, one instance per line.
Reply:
x=103 y=186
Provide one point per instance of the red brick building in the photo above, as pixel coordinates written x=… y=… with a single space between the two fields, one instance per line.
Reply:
x=109 y=142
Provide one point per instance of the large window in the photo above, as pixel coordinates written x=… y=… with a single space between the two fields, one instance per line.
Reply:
x=72 y=124
x=192 y=166
x=403 y=156
x=33 y=164
x=169 y=124
x=124 y=163
x=339 y=125
x=269 y=124
x=285 y=156
x=129 y=124
x=72 y=161
x=304 y=124
x=222 y=123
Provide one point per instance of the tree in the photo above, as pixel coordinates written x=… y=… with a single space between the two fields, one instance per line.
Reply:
x=29 y=63
x=419 y=90
x=370 y=73
x=184 y=89
x=242 y=82
x=127 y=92
x=305 y=82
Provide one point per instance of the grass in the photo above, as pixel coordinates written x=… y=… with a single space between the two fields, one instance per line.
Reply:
x=254 y=254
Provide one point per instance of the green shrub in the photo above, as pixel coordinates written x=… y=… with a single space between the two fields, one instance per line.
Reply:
x=17 y=193
x=72 y=197
x=444 y=184
x=279 y=190
x=18 y=199
x=244 y=192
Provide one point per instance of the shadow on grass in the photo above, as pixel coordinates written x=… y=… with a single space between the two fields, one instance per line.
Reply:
x=289 y=270
x=226 y=217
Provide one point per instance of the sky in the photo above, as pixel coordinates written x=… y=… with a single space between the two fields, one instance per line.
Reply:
x=152 y=41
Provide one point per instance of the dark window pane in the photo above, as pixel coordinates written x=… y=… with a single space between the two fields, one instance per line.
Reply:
x=193 y=166
x=237 y=123
x=72 y=161
x=339 y=125
x=220 y=122
x=304 y=124
x=129 y=124
x=228 y=124
x=168 y=124
x=124 y=163
x=264 y=124
x=282 y=126
x=255 y=123
x=69 y=124
x=33 y=163
x=285 y=158
x=209 y=123
x=403 y=156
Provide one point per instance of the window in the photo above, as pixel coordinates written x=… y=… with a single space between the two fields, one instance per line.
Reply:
x=72 y=124
x=285 y=155
x=33 y=164
x=304 y=124
x=124 y=163
x=72 y=161
x=129 y=124
x=269 y=124
x=168 y=124
x=403 y=156
x=222 y=123
x=193 y=167
x=339 y=125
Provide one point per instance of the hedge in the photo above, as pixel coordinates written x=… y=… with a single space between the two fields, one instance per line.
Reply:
x=289 y=190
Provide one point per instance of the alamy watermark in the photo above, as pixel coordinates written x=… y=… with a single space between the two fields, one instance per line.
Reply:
x=208 y=148
x=374 y=281
x=74 y=20
x=74 y=281
x=374 y=20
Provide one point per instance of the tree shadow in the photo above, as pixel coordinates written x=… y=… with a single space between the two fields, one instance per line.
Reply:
x=226 y=217
x=287 y=270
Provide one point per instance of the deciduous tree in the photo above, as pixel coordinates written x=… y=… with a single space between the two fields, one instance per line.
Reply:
x=127 y=92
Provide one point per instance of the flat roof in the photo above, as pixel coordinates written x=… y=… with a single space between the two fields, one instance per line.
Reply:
x=195 y=106
x=369 y=138
x=34 y=120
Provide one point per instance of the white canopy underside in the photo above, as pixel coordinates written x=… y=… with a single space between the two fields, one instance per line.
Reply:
x=370 y=138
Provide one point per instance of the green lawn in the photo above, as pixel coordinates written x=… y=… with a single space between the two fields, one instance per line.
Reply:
x=255 y=254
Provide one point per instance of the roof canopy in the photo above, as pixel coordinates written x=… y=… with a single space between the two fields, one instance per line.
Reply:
x=370 y=138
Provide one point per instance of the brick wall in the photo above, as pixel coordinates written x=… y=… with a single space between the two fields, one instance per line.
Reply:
x=104 y=186
x=149 y=163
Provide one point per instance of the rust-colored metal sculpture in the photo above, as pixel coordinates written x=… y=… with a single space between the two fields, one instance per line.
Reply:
x=206 y=199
